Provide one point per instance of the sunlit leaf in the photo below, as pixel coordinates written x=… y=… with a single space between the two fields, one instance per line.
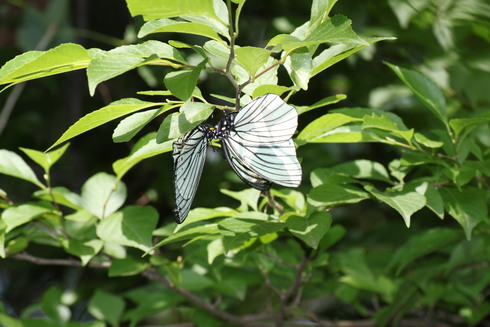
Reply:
x=104 y=115
x=406 y=202
x=103 y=194
x=330 y=195
x=35 y=64
x=13 y=165
x=468 y=206
x=174 y=26
x=45 y=159
x=106 y=307
x=252 y=58
x=19 y=215
x=132 y=226
x=310 y=229
x=425 y=89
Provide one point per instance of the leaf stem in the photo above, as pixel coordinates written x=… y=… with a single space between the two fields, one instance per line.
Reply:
x=231 y=57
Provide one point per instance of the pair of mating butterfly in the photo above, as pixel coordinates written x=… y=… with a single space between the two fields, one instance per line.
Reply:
x=256 y=142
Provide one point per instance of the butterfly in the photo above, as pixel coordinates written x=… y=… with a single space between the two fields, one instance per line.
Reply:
x=256 y=142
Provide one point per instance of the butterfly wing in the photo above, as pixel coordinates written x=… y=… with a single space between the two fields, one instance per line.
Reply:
x=189 y=153
x=266 y=119
x=275 y=162
x=258 y=141
x=245 y=174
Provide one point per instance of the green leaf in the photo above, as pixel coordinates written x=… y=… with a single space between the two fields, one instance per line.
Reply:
x=359 y=169
x=460 y=124
x=145 y=148
x=9 y=321
x=330 y=195
x=190 y=233
x=199 y=214
x=422 y=244
x=320 y=9
x=310 y=229
x=323 y=102
x=183 y=82
x=425 y=141
x=406 y=202
x=13 y=165
x=323 y=126
x=338 y=52
x=237 y=231
x=248 y=198
x=156 y=9
x=299 y=65
x=214 y=249
x=468 y=206
x=51 y=305
x=269 y=88
x=251 y=58
x=85 y=250
x=106 y=67
x=268 y=76
x=425 y=89
x=130 y=126
x=35 y=64
x=196 y=112
x=385 y=123
x=103 y=194
x=45 y=159
x=2 y=243
x=122 y=59
x=22 y=214
x=126 y=267
x=16 y=245
x=104 y=115
x=132 y=226
x=62 y=196
x=433 y=198
x=174 y=26
x=106 y=307
x=336 y=29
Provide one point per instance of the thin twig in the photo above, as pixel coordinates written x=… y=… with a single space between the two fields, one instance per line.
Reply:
x=58 y=262
x=265 y=70
x=231 y=57
x=273 y=203
x=152 y=274
x=293 y=291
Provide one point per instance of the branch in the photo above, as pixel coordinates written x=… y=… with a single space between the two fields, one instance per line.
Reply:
x=293 y=290
x=58 y=262
x=152 y=274
x=273 y=203
x=232 y=56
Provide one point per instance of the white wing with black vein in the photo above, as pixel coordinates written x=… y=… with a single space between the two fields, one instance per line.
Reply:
x=259 y=141
x=245 y=174
x=189 y=153
x=275 y=162
x=266 y=119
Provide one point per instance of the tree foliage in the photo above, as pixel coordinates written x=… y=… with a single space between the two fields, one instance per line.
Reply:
x=335 y=248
